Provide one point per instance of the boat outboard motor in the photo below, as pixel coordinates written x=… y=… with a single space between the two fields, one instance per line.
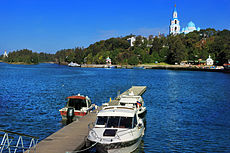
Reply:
x=70 y=115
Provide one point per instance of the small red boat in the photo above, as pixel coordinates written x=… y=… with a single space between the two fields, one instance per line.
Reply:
x=77 y=106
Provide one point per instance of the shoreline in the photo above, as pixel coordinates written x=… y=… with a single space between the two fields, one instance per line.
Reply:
x=18 y=63
x=22 y=63
x=163 y=67
x=139 y=66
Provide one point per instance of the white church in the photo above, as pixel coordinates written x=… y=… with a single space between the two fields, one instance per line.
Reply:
x=175 y=28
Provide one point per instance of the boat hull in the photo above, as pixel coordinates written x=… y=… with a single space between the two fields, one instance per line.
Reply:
x=121 y=147
x=74 y=65
x=77 y=114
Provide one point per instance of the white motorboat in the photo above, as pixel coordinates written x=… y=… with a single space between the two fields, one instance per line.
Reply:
x=71 y=64
x=117 y=129
x=136 y=102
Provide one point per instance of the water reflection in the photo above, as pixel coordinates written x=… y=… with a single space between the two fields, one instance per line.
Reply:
x=140 y=148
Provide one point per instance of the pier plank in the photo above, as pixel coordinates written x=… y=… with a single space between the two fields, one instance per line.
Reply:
x=137 y=90
x=69 y=138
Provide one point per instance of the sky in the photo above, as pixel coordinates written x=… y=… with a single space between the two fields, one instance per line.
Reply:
x=52 y=25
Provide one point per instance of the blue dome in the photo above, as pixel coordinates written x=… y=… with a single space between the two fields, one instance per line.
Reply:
x=191 y=24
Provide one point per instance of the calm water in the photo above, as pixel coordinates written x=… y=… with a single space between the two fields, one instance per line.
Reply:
x=187 y=111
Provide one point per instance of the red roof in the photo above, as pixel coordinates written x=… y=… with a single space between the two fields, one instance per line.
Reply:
x=76 y=97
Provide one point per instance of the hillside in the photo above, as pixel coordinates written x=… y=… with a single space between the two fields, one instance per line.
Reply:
x=168 y=49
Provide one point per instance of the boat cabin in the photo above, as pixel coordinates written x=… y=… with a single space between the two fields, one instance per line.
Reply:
x=132 y=101
x=116 y=117
x=78 y=102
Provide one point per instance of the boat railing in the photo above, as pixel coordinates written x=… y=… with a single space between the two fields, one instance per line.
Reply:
x=122 y=133
x=17 y=142
x=90 y=129
x=117 y=136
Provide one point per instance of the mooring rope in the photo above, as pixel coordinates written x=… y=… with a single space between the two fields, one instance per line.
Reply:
x=83 y=149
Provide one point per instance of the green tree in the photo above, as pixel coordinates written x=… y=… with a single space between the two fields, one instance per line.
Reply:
x=133 y=60
x=177 y=50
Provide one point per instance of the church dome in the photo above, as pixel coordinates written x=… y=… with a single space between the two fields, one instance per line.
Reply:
x=191 y=24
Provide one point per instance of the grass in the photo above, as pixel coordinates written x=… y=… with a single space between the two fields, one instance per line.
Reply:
x=21 y=63
x=155 y=64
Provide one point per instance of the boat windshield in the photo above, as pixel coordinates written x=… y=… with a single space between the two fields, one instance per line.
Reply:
x=129 y=104
x=115 y=121
x=126 y=122
x=102 y=120
x=77 y=103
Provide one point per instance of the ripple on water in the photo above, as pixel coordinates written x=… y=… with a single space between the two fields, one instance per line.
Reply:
x=187 y=111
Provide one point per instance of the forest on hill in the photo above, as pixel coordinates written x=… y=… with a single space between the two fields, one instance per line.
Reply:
x=169 y=49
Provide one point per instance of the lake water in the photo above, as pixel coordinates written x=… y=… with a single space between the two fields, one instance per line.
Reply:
x=187 y=111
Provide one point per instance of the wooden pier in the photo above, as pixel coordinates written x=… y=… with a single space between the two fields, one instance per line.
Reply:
x=137 y=90
x=72 y=137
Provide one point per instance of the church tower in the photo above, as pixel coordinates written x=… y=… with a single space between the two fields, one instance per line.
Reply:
x=174 y=27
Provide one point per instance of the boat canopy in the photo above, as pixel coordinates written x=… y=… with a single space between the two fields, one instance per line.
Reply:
x=76 y=97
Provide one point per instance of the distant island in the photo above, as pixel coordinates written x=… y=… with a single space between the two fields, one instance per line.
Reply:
x=193 y=47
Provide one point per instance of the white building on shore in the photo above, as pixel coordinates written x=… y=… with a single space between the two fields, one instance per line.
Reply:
x=5 y=54
x=131 y=41
x=108 y=61
x=209 y=61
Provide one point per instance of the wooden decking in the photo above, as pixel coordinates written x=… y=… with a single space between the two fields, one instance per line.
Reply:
x=72 y=137
x=137 y=90
x=69 y=138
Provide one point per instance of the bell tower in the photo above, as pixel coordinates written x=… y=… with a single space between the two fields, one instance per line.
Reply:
x=174 y=27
